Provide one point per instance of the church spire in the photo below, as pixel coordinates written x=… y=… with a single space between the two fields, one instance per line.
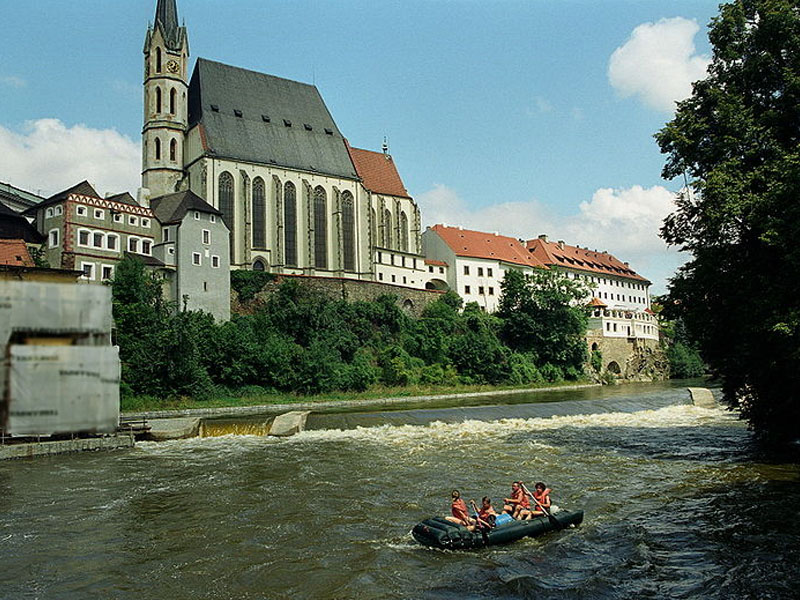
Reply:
x=167 y=17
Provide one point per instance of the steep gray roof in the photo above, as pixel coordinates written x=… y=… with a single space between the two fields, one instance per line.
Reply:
x=172 y=208
x=265 y=119
x=124 y=198
x=84 y=188
x=167 y=19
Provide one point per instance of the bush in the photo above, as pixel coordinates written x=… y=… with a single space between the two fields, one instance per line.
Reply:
x=551 y=373
x=248 y=283
x=523 y=369
x=596 y=361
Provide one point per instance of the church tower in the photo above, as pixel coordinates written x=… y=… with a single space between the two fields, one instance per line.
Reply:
x=166 y=57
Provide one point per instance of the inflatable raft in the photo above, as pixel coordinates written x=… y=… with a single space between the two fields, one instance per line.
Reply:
x=438 y=532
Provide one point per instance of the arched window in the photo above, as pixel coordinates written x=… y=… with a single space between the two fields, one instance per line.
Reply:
x=173 y=150
x=290 y=223
x=259 y=214
x=373 y=227
x=320 y=228
x=259 y=265
x=226 y=204
x=158 y=148
x=348 y=232
x=158 y=99
x=158 y=60
x=387 y=228
x=403 y=232
x=172 y=95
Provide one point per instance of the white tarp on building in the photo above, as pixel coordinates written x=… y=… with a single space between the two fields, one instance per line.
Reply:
x=62 y=389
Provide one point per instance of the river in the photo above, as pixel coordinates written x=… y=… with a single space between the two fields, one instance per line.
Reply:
x=679 y=502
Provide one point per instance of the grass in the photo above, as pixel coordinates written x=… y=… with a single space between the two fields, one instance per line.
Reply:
x=243 y=398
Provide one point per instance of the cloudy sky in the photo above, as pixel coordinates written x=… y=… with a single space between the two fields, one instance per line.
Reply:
x=523 y=117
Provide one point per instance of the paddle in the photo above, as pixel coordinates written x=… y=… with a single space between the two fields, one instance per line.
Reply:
x=556 y=523
x=477 y=516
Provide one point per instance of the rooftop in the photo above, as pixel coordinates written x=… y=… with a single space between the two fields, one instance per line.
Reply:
x=378 y=172
x=14 y=253
x=479 y=244
x=581 y=259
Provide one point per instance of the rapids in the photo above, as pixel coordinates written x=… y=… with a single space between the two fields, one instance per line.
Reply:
x=679 y=501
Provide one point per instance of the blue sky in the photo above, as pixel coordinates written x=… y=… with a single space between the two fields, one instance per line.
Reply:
x=507 y=116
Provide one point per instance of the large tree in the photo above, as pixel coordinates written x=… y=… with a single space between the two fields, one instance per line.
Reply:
x=737 y=141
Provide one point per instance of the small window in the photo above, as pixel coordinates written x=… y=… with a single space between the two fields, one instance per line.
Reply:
x=145 y=222
x=215 y=261
x=480 y=271
x=80 y=211
x=489 y=272
x=111 y=242
x=132 y=220
x=99 y=214
x=196 y=216
x=53 y=238
x=49 y=213
x=481 y=291
x=107 y=272
x=88 y=270
x=466 y=271
x=403 y=261
x=83 y=237
x=430 y=269
x=133 y=245
x=146 y=246
x=380 y=276
x=380 y=257
x=205 y=286
x=118 y=218
x=441 y=269
x=394 y=279
x=197 y=260
x=171 y=251
x=466 y=289
x=97 y=240
x=59 y=211
x=165 y=234
x=212 y=218
x=206 y=236
x=491 y=291
x=404 y=280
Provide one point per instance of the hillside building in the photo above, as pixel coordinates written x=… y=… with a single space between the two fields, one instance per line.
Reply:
x=474 y=262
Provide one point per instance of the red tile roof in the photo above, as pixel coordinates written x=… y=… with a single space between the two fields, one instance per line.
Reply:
x=597 y=302
x=15 y=253
x=477 y=244
x=378 y=172
x=435 y=263
x=581 y=259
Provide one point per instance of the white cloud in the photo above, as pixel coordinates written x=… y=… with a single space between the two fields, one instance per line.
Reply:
x=13 y=81
x=624 y=222
x=658 y=63
x=48 y=156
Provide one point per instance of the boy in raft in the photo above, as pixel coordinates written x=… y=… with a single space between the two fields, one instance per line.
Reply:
x=486 y=514
x=518 y=505
x=542 y=495
x=460 y=514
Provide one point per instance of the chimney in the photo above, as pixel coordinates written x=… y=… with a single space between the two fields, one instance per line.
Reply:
x=560 y=244
x=543 y=237
x=143 y=197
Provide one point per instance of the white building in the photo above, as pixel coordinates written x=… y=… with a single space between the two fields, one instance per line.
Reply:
x=475 y=262
x=620 y=297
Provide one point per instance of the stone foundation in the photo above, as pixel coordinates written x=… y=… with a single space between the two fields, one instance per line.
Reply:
x=631 y=359
x=411 y=300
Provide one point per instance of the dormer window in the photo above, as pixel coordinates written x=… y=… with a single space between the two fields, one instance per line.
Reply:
x=307 y=127
x=265 y=118
x=328 y=131
x=287 y=122
x=215 y=107
x=237 y=113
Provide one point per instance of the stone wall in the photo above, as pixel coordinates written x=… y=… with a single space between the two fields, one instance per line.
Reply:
x=411 y=300
x=632 y=359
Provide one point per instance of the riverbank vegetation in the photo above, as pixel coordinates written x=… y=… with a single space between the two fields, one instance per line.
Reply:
x=303 y=343
x=737 y=142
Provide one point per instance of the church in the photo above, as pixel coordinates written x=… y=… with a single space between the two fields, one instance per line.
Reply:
x=266 y=152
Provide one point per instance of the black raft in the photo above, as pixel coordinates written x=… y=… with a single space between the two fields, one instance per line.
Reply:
x=441 y=533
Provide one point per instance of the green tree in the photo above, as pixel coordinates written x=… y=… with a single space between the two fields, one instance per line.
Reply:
x=736 y=140
x=542 y=315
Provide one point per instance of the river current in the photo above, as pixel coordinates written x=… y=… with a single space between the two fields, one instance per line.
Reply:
x=679 y=502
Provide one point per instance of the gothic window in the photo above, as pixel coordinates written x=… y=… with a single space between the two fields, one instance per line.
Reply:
x=259 y=213
x=226 y=204
x=158 y=99
x=158 y=60
x=290 y=223
x=348 y=232
x=387 y=228
x=403 y=232
x=172 y=95
x=259 y=265
x=173 y=150
x=320 y=229
x=373 y=227
x=158 y=148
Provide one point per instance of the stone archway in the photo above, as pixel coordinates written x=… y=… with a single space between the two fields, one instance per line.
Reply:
x=437 y=284
x=613 y=367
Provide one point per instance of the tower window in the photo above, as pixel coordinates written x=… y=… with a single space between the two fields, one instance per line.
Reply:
x=172 y=94
x=158 y=148
x=158 y=99
x=158 y=60
x=173 y=150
